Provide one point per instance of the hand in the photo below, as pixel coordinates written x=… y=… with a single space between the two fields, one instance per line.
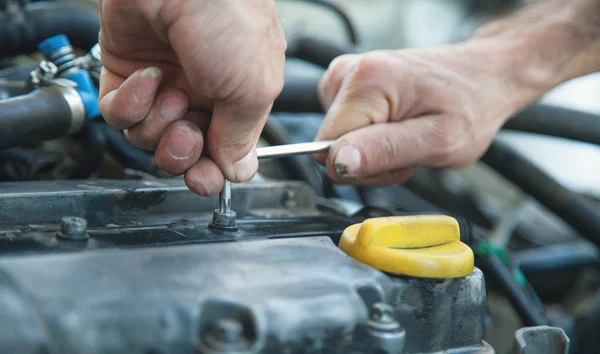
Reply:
x=193 y=80
x=395 y=110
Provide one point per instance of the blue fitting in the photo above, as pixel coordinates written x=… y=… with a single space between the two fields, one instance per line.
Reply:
x=59 y=51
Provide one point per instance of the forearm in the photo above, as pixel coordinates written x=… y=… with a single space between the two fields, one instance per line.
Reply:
x=543 y=45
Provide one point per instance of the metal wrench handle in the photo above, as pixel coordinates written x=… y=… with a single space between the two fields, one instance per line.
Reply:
x=293 y=149
x=224 y=217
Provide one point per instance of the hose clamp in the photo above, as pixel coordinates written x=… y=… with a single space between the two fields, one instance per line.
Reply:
x=75 y=102
x=46 y=75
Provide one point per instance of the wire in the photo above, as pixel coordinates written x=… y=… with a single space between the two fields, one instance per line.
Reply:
x=339 y=11
x=528 y=308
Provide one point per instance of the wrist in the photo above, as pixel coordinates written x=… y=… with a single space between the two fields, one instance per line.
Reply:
x=542 y=46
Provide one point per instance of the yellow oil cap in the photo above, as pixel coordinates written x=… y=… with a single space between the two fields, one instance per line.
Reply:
x=424 y=246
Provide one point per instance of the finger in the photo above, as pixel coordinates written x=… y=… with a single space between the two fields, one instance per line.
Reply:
x=232 y=138
x=334 y=76
x=125 y=102
x=180 y=147
x=369 y=94
x=353 y=109
x=386 y=178
x=205 y=178
x=169 y=105
x=427 y=140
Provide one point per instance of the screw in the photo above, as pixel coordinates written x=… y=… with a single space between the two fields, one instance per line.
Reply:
x=228 y=331
x=73 y=228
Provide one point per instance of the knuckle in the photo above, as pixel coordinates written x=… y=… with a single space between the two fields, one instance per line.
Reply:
x=338 y=65
x=142 y=138
x=372 y=67
x=447 y=141
x=120 y=118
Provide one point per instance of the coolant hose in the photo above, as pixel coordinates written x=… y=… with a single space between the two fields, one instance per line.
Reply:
x=576 y=210
x=22 y=31
x=42 y=114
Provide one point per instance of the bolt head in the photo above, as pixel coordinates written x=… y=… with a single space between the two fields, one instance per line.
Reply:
x=73 y=227
x=288 y=199
x=228 y=331
x=381 y=312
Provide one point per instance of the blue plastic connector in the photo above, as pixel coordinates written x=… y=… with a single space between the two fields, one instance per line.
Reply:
x=58 y=50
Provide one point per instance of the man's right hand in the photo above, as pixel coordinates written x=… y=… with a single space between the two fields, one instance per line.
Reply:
x=192 y=78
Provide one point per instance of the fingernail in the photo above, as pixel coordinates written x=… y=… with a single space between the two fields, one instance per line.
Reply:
x=200 y=188
x=181 y=144
x=172 y=108
x=246 y=168
x=146 y=86
x=347 y=161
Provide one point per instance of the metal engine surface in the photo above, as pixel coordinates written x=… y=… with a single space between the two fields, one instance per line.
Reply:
x=277 y=285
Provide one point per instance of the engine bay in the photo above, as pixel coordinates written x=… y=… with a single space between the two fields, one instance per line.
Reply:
x=103 y=252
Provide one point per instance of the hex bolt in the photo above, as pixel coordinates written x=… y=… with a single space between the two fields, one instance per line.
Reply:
x=227 y=336
x=385 y=332
x=224 y=218
x=73 y=228
x=381 y=313
x=289 y=199
x=228 y=331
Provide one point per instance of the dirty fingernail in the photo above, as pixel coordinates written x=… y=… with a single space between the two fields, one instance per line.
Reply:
x=181 y=144
x=172 y=108
x=246 y=168
x=147 y=84
x=347 y=161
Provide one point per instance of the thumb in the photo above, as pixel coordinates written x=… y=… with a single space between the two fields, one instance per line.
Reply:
x=380 y=148
x=232 y=138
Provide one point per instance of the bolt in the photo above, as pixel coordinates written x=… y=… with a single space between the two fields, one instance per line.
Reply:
x=226 y=337
x=386 y=333
x=224 y=217
x=228 y=331
x=73 y=228
x=289 y=199
x=382 y=313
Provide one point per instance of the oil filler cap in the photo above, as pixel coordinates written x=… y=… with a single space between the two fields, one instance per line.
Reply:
x=424 y=246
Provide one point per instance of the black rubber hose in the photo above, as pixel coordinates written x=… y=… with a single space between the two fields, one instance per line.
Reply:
x=339 y=11
x=93 y=145
x=574 y=209
x=21 y=32
x=299 y=95
x=37 y=116
x=560 y=256
x=316 y=51
x=127 y=154
x=525 y=307
x=557 y=121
